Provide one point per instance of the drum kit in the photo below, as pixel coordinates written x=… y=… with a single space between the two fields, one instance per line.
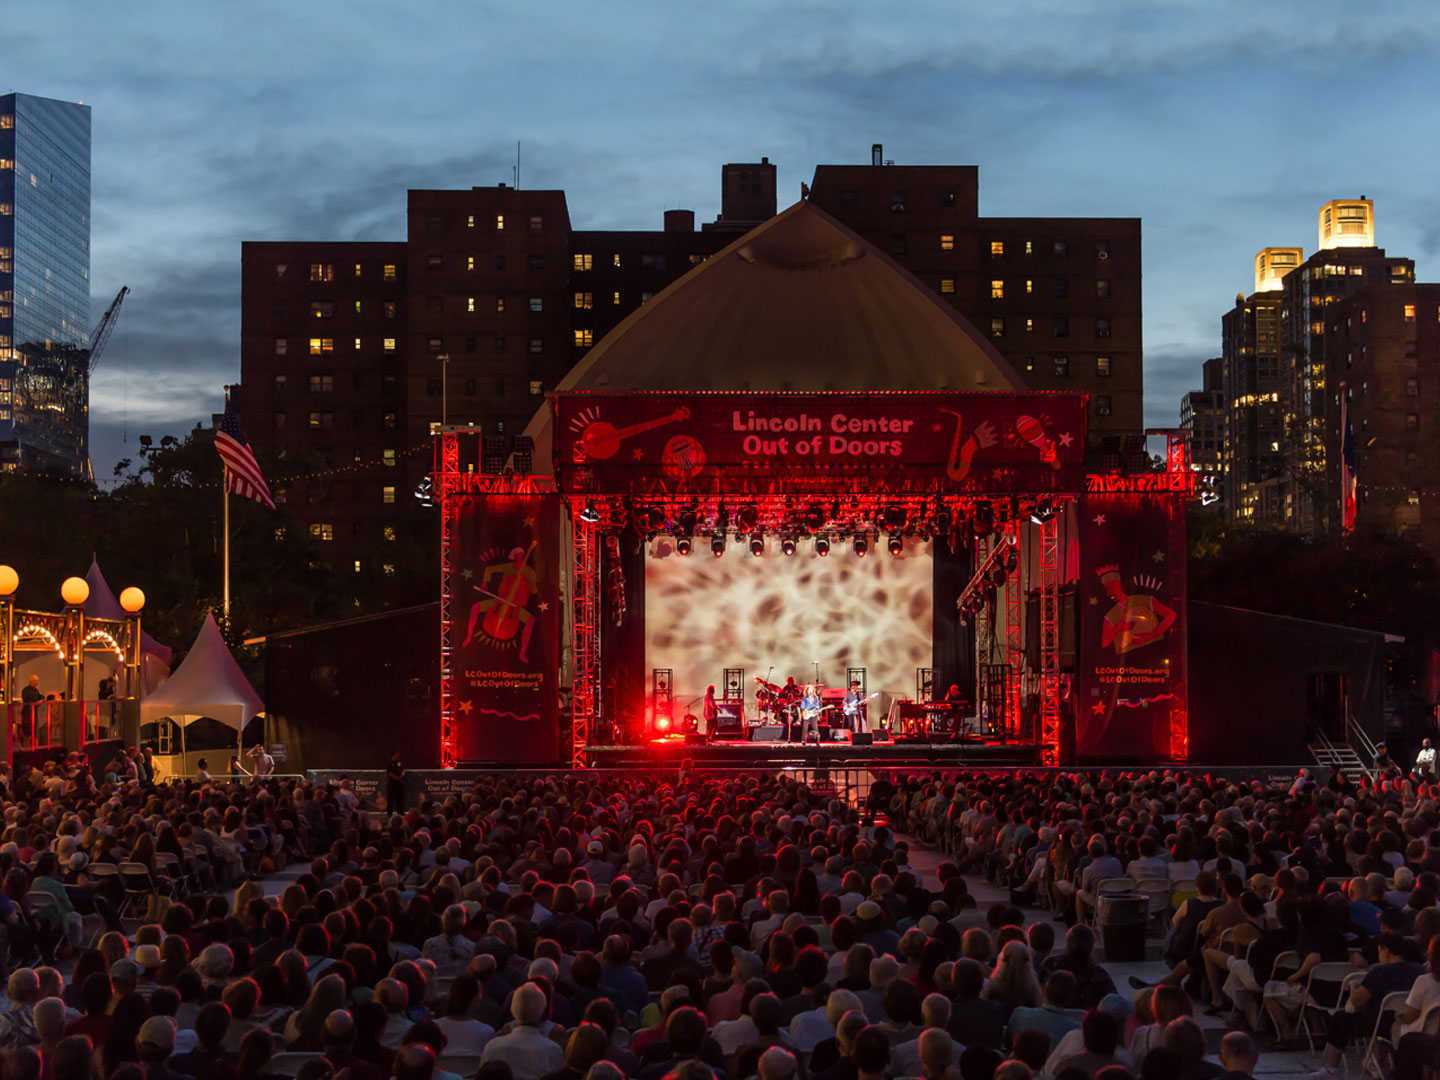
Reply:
x=774 y=707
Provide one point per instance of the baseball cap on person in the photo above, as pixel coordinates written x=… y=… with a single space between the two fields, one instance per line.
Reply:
x=158 y=1031
x=595 y=848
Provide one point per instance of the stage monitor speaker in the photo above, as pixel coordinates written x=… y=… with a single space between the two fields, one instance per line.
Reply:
x=729 y=718
x=694 y=738
x=862 y=738
x=767 y=733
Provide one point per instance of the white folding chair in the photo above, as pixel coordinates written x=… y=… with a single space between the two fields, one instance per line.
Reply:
x=1334 y=971
x=1390 y=1004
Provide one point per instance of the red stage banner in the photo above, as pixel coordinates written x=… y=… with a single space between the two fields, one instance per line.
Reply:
x=1130 y=680
x=505 y=658
x=902 y=443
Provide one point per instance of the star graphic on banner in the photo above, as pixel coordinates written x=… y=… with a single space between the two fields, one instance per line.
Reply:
x=1158 y=557
x=544 y=605
x=1094 y=601
x=528 y=522
x=936 y=427
x=1065 y=438
x=1099 y=519
x=1098 y=709
x=466 y=706
x=467 y=574
x=637 y=454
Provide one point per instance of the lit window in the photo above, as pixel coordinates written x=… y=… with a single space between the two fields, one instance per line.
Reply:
x=997 y=327
x=280 y=269
x=469 y=221
x=1029 y=325
x=1102 y=366
x=357 y=307
x=1062 y=365
x=320 y=345
x=322 y=530
x=389 y=344
x=615 y=298
x=615 y=260
x=537 y=303
x=388 y=532
x=537 y=345
x=7 y=209
x=1409 y=312
x=469 y=262
x=388 y=420
x=584 y=301
x=470 y=303
x=7 y=121
x=322 y=272
x=322 y=420
x=500 y=303
x=388 y=569
x=322 y=384
x=282 y=346
x=536 y=388
x=389 y=274
x=1029 y=247
x=947 y=284
x=997 y=289
x=1029 y=286
x=357 y=269
x=584 y=338
x=389 y=309
x=387 y=458
x=997 y=248
x=947 y=241
x=357 y=344
x=499 y=221
x=387 y=494
x=582 y=262
x=536 y=223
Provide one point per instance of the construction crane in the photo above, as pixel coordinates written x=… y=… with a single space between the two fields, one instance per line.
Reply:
x=100 y=336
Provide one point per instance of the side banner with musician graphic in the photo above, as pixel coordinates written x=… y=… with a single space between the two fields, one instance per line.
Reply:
x=1131 y=674
x=506 y=632
x=731 y=443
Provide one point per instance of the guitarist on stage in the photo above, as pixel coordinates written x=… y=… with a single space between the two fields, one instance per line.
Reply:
x=809 y=713
x=854 y=708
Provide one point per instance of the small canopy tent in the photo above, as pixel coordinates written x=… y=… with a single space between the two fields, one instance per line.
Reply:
x=208 y=683
x=101 y=604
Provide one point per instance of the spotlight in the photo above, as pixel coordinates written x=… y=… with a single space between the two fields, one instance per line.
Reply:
x=894 y=518
x=787 y=546
x=895 y=544
x=814 y=517
x=1012 y=561
x=822 y=546
x=717 y=545
x=998 y=576
x=860 y=545
x=747 y=517
x=757 y=545
x=682 y=545
x=590 y=515
x=662 y=723
x=1043 y=512
x=687 y=521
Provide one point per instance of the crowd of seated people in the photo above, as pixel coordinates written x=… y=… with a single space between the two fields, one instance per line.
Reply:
x=638 y=927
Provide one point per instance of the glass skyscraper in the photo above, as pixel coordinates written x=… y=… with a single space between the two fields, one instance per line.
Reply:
x=44 y=284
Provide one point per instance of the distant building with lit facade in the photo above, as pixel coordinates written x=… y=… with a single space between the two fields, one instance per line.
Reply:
x=44 y=284
x=352 y=354
x=1306 y=336
x=1203 y=416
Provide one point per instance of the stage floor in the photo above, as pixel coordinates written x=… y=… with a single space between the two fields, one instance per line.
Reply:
x=886 y=755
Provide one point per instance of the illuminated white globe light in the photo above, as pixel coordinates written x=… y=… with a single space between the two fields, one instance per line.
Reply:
x=75 y=591
x=9 y=581
x=132 y=599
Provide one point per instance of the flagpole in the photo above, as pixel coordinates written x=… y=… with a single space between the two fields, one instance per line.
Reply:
x=225 y=531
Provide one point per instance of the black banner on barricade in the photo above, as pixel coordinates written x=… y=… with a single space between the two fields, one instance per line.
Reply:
x=1130 y=679
x=505 y=659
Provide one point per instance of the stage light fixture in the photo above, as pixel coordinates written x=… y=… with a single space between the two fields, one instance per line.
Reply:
x=822 y=546
x=717 y=545
x=662 y=723
x=687 y=521
x=1042 y=513
x=787 y=546
x=894 y=518
x=682 y=545
x=747 y=517
x=590 y=515
x=1012 y=560
x=757 y=545
x=998 y=576
x=814 y=517
x=895 y=544
x=860 y=545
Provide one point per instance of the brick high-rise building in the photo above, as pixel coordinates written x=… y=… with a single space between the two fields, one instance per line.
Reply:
x=1059 y=297
x=1386 y=343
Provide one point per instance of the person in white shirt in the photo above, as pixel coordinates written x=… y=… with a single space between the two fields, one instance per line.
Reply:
x=528 y=1052
x=1424 y=994
x=450 y=951
x=1425 y=760
x=264 y=763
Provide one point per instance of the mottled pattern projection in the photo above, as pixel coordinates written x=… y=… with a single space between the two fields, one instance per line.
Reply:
x=703 y=614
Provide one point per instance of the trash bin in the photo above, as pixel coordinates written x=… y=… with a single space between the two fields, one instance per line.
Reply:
x=1123 y=918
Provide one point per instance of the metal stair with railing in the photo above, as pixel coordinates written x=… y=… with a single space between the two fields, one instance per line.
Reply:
x=1342 y=757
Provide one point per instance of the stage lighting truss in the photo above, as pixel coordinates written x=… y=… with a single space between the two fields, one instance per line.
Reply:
x=1001 y=560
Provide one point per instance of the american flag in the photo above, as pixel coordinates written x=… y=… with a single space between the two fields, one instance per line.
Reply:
x=242 y=471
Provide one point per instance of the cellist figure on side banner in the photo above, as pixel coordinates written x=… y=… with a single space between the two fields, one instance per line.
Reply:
x=504 y=610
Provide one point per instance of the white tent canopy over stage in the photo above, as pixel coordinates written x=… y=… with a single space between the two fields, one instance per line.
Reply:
x=208 y=683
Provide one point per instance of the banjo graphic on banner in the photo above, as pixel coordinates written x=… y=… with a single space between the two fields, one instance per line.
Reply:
x=700 y=443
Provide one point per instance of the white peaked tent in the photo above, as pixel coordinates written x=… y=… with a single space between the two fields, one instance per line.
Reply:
x=208 y=683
